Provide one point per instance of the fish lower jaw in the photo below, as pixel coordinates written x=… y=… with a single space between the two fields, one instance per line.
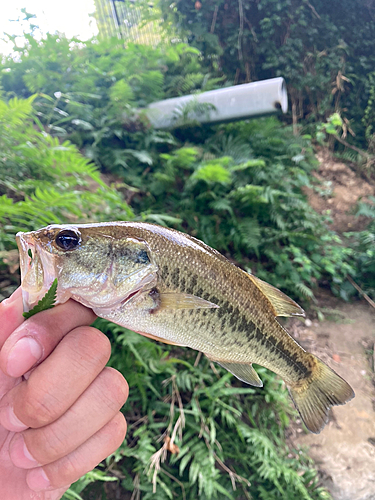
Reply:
x=30 y=299
x=110 y=298
x=105 y=304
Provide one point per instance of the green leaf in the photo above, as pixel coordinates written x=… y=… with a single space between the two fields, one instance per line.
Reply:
x=212 y=173
x=47 y=302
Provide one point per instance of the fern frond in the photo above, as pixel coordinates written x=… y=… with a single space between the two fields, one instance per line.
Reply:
x=47 y=302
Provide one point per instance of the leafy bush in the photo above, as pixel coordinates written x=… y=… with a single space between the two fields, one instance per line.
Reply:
x=238 y=187
x=369 y=115
x=363 y=256
x=88 y=91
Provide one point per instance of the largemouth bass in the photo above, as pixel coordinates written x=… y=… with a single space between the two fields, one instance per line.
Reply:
x=171 y=287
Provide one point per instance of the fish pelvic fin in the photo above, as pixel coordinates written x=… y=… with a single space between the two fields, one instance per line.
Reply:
x=281 y=304
x=314 y=396
x=244 y=372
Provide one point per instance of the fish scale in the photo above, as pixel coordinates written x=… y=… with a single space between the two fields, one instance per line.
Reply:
x=171 y=287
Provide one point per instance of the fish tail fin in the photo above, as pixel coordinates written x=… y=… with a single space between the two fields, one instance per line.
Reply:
x=314 y=396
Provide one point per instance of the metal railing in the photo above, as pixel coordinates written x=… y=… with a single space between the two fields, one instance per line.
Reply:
x=123 y=19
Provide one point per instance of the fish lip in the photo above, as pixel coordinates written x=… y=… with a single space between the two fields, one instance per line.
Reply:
x=26 y=241
x=24 y=244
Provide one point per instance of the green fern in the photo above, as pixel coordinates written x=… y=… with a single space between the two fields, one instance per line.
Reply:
x=47 y=302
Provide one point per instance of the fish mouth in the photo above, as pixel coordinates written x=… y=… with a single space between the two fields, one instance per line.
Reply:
x=37 y=271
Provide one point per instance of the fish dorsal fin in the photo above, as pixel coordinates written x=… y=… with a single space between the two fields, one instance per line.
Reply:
x=183 y=301
x=281 y=303
x=244 y=372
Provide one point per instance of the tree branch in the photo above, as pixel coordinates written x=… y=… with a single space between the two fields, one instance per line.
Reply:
x=361 y=292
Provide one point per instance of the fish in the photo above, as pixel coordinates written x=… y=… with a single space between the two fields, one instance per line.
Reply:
x=172 y=287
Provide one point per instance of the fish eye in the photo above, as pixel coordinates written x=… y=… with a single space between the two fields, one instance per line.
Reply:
x=67 y=239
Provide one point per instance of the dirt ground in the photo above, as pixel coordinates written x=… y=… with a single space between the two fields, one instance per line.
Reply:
x=339 y=193
x=345 y=450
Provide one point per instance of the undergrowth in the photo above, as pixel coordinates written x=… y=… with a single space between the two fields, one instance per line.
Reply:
x=241 y=191
x=363 y=244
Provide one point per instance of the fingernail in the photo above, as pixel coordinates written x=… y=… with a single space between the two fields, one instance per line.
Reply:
x=9 y=420
x=20 y=455
x=37 y=479
x=23 y=355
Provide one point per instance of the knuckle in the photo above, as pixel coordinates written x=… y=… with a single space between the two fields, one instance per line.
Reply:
x=44 y=329
x=36 y=326
x=68 y=469
x=75 y=464
x=49 y=443
x=36 y=408
x=93 y=342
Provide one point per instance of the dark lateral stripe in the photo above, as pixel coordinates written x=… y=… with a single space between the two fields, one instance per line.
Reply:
x=237 y=322
x=291 y=359
x=164 y=274
x=233 y=319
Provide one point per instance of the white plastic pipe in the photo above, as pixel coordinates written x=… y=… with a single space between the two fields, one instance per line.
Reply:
x=227 y=104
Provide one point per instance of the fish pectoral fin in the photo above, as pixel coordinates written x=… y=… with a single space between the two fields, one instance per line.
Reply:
x=183 y=301
x=281 y=303
x=243 y=371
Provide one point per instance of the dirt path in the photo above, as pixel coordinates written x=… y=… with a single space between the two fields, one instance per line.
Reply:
x=339 y=193
x=345 y=450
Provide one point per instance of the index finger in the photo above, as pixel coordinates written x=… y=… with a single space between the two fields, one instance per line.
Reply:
x=36 y=338
x=10 y=315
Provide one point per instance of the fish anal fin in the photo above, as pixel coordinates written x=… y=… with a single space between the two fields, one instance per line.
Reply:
x=281 y=303
x=243 y=371
x=174 y=300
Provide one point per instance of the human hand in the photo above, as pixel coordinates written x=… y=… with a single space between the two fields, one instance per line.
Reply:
x=59 y=404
